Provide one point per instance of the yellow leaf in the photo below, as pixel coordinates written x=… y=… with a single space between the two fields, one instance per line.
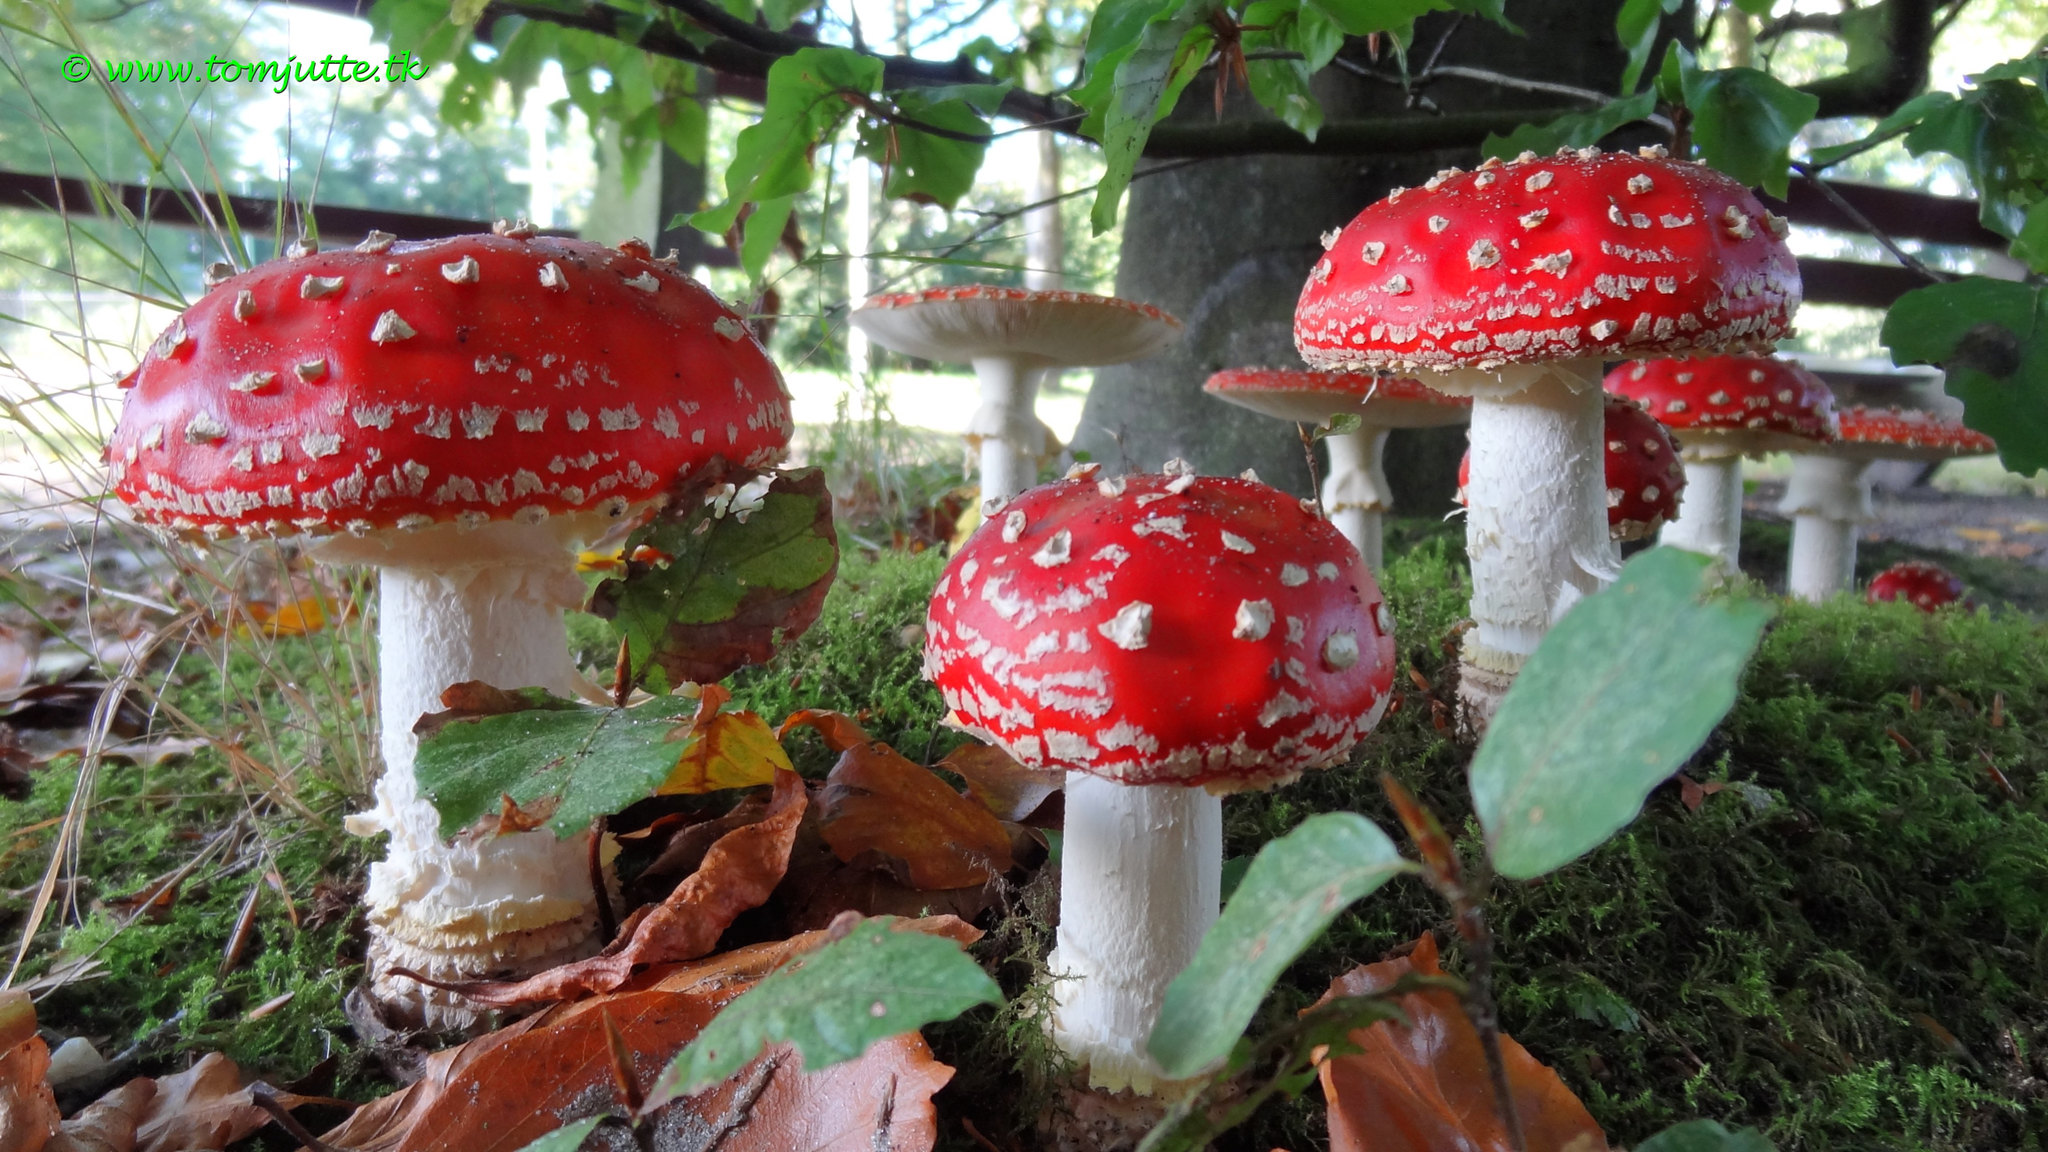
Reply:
x=726 y=750
x=1981 y=535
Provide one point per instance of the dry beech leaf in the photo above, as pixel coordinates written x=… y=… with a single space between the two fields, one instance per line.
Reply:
x=109 y=1123
x=1425 y=1087
x=739 y=872
x=205 y=1106
x=28 y=1109
x=839 y=730
x=732 y=749
x=1004 y=787
x=877 y=801
x=501 y=1090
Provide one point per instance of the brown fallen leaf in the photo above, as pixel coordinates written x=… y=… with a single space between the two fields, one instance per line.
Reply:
x=875 y=800
x=1004 y=787
x=501 y=1090
x=205 y=1106
x=839 y=730
x=738 y=873
x=28 y=1109
x=109 y=1123
x=1425 y=1087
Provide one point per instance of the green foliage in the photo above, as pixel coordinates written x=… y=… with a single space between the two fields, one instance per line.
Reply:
x=568 y=1138
x=925 y=167
x=1705 y=1136
x=864 y=657
x=1991 y=336
x=1615 y=699
x=1635 y=25
x=569 y=761
x=1149 y=52
x=1743 y=120
x=744 y=569
x=1573 y=130
x=872 y=984
x=1998 y=128
x=1296 y=886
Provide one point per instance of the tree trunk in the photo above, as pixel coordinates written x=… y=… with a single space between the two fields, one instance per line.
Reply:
x=1226 y=244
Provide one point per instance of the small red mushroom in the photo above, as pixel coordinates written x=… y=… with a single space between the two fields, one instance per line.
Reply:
x=1923 y=585
x=1723 y=408
x=1162 y=638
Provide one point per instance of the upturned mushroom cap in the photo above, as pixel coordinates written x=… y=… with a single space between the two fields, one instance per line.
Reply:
x=1312 y=397
x=466 y=380
x=1923 y=585
x=1644 y=476
x=1040 y=329
x=1581 y=254
x=1906 y=434
x=1173 y=629
x=1732 y=405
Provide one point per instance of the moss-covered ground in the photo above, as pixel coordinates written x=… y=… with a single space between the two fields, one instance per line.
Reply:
x=1846 y=942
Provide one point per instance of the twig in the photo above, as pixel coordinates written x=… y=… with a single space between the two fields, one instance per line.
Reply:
x=1308 y=450
x=607 y=920
x=1812 y=176
x=264 y=1098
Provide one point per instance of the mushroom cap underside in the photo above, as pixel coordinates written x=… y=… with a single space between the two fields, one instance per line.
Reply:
x=962 y=323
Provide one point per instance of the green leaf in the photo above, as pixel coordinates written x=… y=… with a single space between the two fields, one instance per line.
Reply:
x=807 y=96
x=1113 y=35
x=1636 y=26
x=1614 y=700
x=568 y=1138
x=924 y=167
x=1999 y=130
x=761 y=233
x=2031 y=245
x=553 y=756
x=832 y=1004
x=1170 y=49
x=782 y=13
x=1574 y=129
x=1863 y=35
x=1906 y=115
x=738 y=579
x=1295 y=887
x=1705 y=1136
x=1991 y=337
x=1744 y=121
x=1365 y=17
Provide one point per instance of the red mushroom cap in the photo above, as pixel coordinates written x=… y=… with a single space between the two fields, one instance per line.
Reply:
x=1579 y=254
x=1162 y=630
x=1907 y=434
x=1741 y=403
x=470 y=379
x=1643 y=473
x=1312 y=397
x=1925 y=586
x=1644 y=476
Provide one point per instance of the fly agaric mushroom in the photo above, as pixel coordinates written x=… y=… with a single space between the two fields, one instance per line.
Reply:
x=1510 y=284
x=1829 y=492
x=1355 y=493
x=1010 y=336
x=1644 y=476
x=461 y=414
x=1722 y=408
x=1925 y=586
x=1164 y=639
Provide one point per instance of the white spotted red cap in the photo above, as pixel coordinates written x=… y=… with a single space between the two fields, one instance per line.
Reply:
x=461 y=380
x=1162 y=629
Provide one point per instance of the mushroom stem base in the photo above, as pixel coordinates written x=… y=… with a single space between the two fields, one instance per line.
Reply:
x=1140 y=883
x=478 y=904
x=1484 y=677
x=1710 y=517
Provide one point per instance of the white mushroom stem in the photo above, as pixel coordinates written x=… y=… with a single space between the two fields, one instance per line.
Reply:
x=1827 y=498
x=1355 y=493
x=480 y=904
x=1007 y=425
x=1536 y=522
x=1140 y=883
x=1709 y=517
